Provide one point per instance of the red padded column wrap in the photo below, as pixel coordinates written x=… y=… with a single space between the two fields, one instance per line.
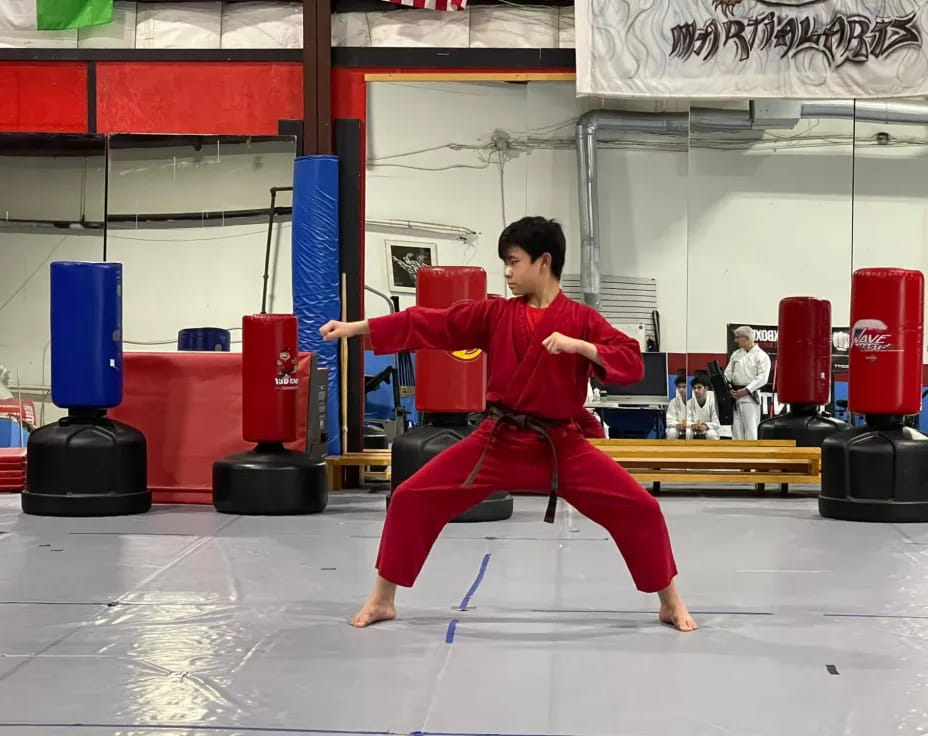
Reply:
x=804 y=351
x=887 y=319
x=269 y=379
x=450 y=382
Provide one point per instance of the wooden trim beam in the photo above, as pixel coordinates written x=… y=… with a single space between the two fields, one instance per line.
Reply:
x=317 y=77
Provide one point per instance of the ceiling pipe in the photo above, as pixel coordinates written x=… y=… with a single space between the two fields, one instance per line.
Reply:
x=762 y=113
x=589 y=127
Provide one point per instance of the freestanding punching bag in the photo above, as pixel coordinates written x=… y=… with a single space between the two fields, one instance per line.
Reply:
x=449 y=387
x=879 y=472
x=271 y=479
x=86 y=464
x=804 y=374
x=204 y=339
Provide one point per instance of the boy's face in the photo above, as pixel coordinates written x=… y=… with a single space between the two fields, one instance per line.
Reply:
x=699 y=391
x=522 y=276
x=681 y=390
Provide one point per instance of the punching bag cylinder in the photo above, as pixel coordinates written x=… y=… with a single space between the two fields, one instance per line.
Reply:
x=271 y=479
x=86 y=335
x=455 y=381
x=804 y=374
x=887 y=319
x=879 y=472
x=212 y=339
x=86 y=464
x=269 y=382
x=804 y=351
x=449 y=386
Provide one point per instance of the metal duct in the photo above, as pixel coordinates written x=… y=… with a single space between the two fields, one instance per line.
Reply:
x=592 y=123
x=588 y=128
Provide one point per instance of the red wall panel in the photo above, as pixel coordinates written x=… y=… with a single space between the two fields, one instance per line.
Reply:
x=43 y=97
x=230 y=98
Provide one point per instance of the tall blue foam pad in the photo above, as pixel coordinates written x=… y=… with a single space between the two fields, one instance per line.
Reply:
x=86 y=464
x=86 y=334
x=316 y=272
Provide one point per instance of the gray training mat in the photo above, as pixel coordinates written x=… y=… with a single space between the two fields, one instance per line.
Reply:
x=184 y=621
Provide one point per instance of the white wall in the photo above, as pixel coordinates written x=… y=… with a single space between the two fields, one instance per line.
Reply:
x=463 y=190
x=197 y=277
x=727 y=228
x=766 y=222
x=643 y=194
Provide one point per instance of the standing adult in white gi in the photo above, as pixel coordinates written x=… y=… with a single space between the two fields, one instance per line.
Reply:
x=747 y=372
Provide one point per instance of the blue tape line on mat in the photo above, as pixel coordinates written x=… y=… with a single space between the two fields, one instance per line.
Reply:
x=449 y=635
x=476 y=583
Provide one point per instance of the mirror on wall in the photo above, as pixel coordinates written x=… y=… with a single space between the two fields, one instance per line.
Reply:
x=890 y=191
x=52 y=200
x=187 y=216
x=770 y=215
x=484 y=154
x=636 y=219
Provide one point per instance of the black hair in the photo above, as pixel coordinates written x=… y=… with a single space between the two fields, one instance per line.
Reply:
x=700 y=380
x=536 y=236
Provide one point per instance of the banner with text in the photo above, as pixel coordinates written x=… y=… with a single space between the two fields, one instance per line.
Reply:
x=811 y=49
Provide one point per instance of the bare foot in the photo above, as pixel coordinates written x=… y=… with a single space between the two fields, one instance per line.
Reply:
x=678 y=616
x=372 y=612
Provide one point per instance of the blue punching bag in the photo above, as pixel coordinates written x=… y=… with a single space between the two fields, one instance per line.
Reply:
x=86 y=335
x=86 y=464
x=196 y=339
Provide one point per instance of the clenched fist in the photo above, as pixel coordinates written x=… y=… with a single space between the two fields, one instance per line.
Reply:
x=557 y=343
x=335 y=330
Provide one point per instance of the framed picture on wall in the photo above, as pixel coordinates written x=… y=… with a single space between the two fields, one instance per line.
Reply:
x=404 y=259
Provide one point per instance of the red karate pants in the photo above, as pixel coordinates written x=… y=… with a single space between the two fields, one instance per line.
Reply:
x=594 y=484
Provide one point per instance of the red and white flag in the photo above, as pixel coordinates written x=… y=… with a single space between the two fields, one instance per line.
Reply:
x=432 y=4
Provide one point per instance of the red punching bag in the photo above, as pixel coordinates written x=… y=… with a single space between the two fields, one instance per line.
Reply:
x=269 y=381
x=879 y=471
x=271 y=479
x=887 y=321
x=803 y=374
x=452 y=382
x=804 y=351
x=450 y=385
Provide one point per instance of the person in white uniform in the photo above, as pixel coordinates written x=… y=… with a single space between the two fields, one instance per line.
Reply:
x=702 y=414
x=5 y=392
x=675 y=419
x=747 y=372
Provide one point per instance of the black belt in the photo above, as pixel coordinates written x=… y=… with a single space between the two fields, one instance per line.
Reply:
x=504 y=415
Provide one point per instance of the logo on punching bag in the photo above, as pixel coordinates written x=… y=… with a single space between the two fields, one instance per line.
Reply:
x=466 y=355
x=871 y=335
x=286 y=370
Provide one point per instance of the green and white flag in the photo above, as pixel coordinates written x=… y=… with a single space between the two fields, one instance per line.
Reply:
x=53 y=15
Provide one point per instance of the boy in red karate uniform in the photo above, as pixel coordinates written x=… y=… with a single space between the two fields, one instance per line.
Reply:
x=541 y=350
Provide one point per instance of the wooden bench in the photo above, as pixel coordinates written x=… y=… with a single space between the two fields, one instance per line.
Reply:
x=717 y=461
x=760 y=463
x=335 y=465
